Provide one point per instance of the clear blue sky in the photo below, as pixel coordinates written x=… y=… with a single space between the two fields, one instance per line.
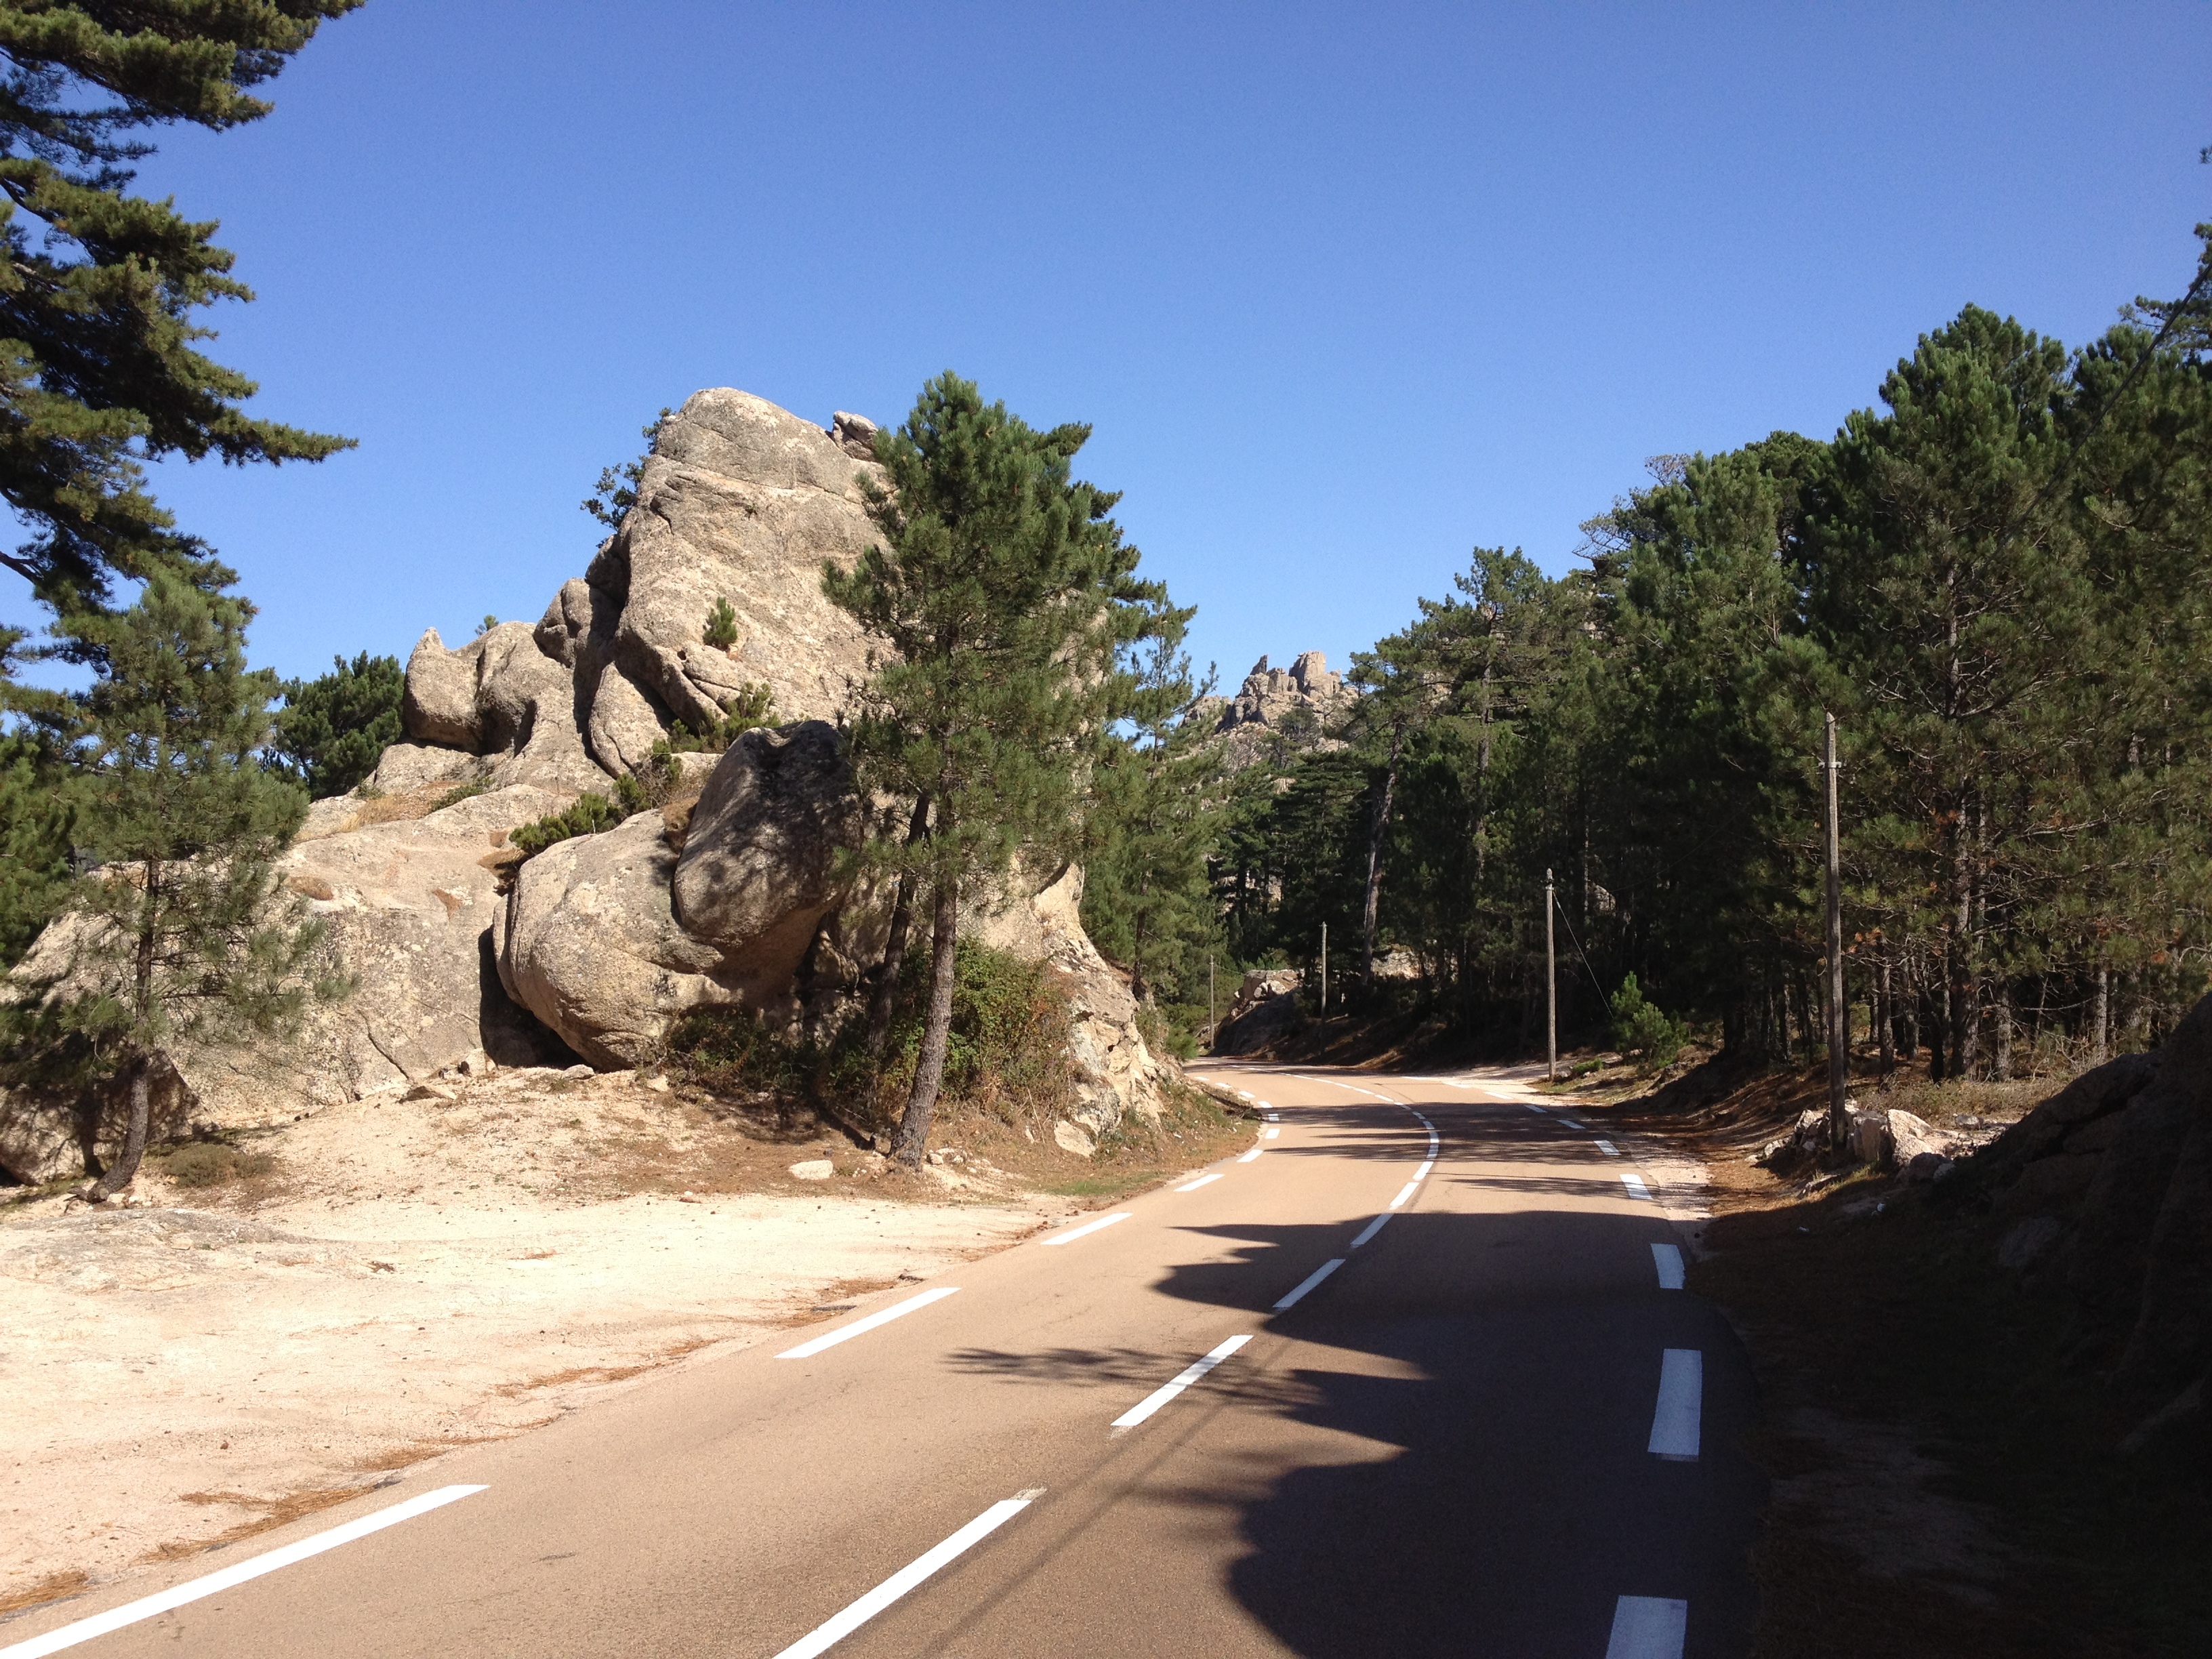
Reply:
x=1346 y=291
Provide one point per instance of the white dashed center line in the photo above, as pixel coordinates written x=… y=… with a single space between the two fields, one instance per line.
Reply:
x=1309 y=1282
x=1634 y=1182
x=1372 y=1228
x=1204 y=1180
x=825 y=1637
x=1250 y=1155
x=1405 y=1192
x=1646 y=1628
x=1668 y=1258
x=1270 y=1132
x=1681 y=1406
x=151 y=1607
x=860 y=1326
x=1189 y=1373
x=1089 y=1228
x=1608 y=1149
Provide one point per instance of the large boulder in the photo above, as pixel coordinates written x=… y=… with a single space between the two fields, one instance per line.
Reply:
x=587 y=940
x=2115 y=1171
x=45 y=1137
x=501 y=708
x=743 y=502
x=760 y=868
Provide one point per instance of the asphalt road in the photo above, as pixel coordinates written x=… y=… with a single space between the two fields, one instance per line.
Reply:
x=1493 y=1428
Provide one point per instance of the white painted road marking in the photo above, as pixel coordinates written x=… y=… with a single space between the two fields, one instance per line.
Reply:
x=1160 y=1396
x=822 y=1638
x=214 y=1583
x=1668 y=1258
x=1089 y=1227
x=1422 y=1174
x=1634 y=1182
x=1405 y=1192
x=1647 y=1627
x=1373 y=1228
x=1270 y=1132
x=1264 y=1106
x=1310 y=1281
x=1202 y=1181
x=1250 y=1155
x=1681 y=1405
x=860 y=1326
x=1532 y=1107
x=1608 y=1149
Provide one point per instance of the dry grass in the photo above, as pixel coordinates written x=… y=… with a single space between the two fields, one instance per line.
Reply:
x=51 y=1588
x=275 y=1512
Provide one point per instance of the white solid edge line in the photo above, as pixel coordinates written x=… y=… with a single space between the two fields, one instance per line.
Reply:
x=1372 y=1228
x=1405 y=1192
x=1309 y=1282
x=1089 y=1227
x=823 y=1636
x=1674 y=1423
x=1648 y=1627
x=1668 y=1258
x=1250 y=1155
x=1634 y=1182
x=1608 y=1149
x=860 y=1327
x=1202 y=1181
x=214 y=1583
x=1160 y=1396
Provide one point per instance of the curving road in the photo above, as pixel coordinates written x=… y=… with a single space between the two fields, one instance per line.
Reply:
x=1414 y=1375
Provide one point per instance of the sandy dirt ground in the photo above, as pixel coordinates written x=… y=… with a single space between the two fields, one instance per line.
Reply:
x=392 y=1277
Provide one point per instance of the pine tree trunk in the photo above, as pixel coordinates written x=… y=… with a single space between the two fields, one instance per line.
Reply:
x=2001 y=1024
x=1379 y=828
x=913 y=1137
x=1885 y=1024
x=2100 y=1018
x=125 y=1169
x=894 y=962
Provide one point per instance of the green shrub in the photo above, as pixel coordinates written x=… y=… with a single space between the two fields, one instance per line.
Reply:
x=721 y=625
x=754 y=705
x=1006 y=1052
x=462 y=791
x=1640 y=1025
x=592 y=813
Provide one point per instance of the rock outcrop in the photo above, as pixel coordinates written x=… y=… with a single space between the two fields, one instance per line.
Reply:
x=1266 y=1010
x=1279 y=712
x=2107 y=1188
x=734 y=893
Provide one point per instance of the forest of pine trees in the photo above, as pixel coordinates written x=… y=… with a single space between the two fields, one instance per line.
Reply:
x=1996 y=581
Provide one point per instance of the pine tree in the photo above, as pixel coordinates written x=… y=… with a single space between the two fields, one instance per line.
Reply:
x=36 y=824
x=1000 y=599
x=99 y=368
x=333 y=729
x=182 y=931
x=1155 y=802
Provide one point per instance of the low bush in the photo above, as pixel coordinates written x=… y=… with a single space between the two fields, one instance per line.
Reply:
x=1007 y=1053
x=754 y=705
x=592 y=813
x=1643 y=1026
x=212 y=1164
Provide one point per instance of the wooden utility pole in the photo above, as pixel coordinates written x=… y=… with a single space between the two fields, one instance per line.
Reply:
x=1840 y=1014
x=1550 y=990
x=1324 y=967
